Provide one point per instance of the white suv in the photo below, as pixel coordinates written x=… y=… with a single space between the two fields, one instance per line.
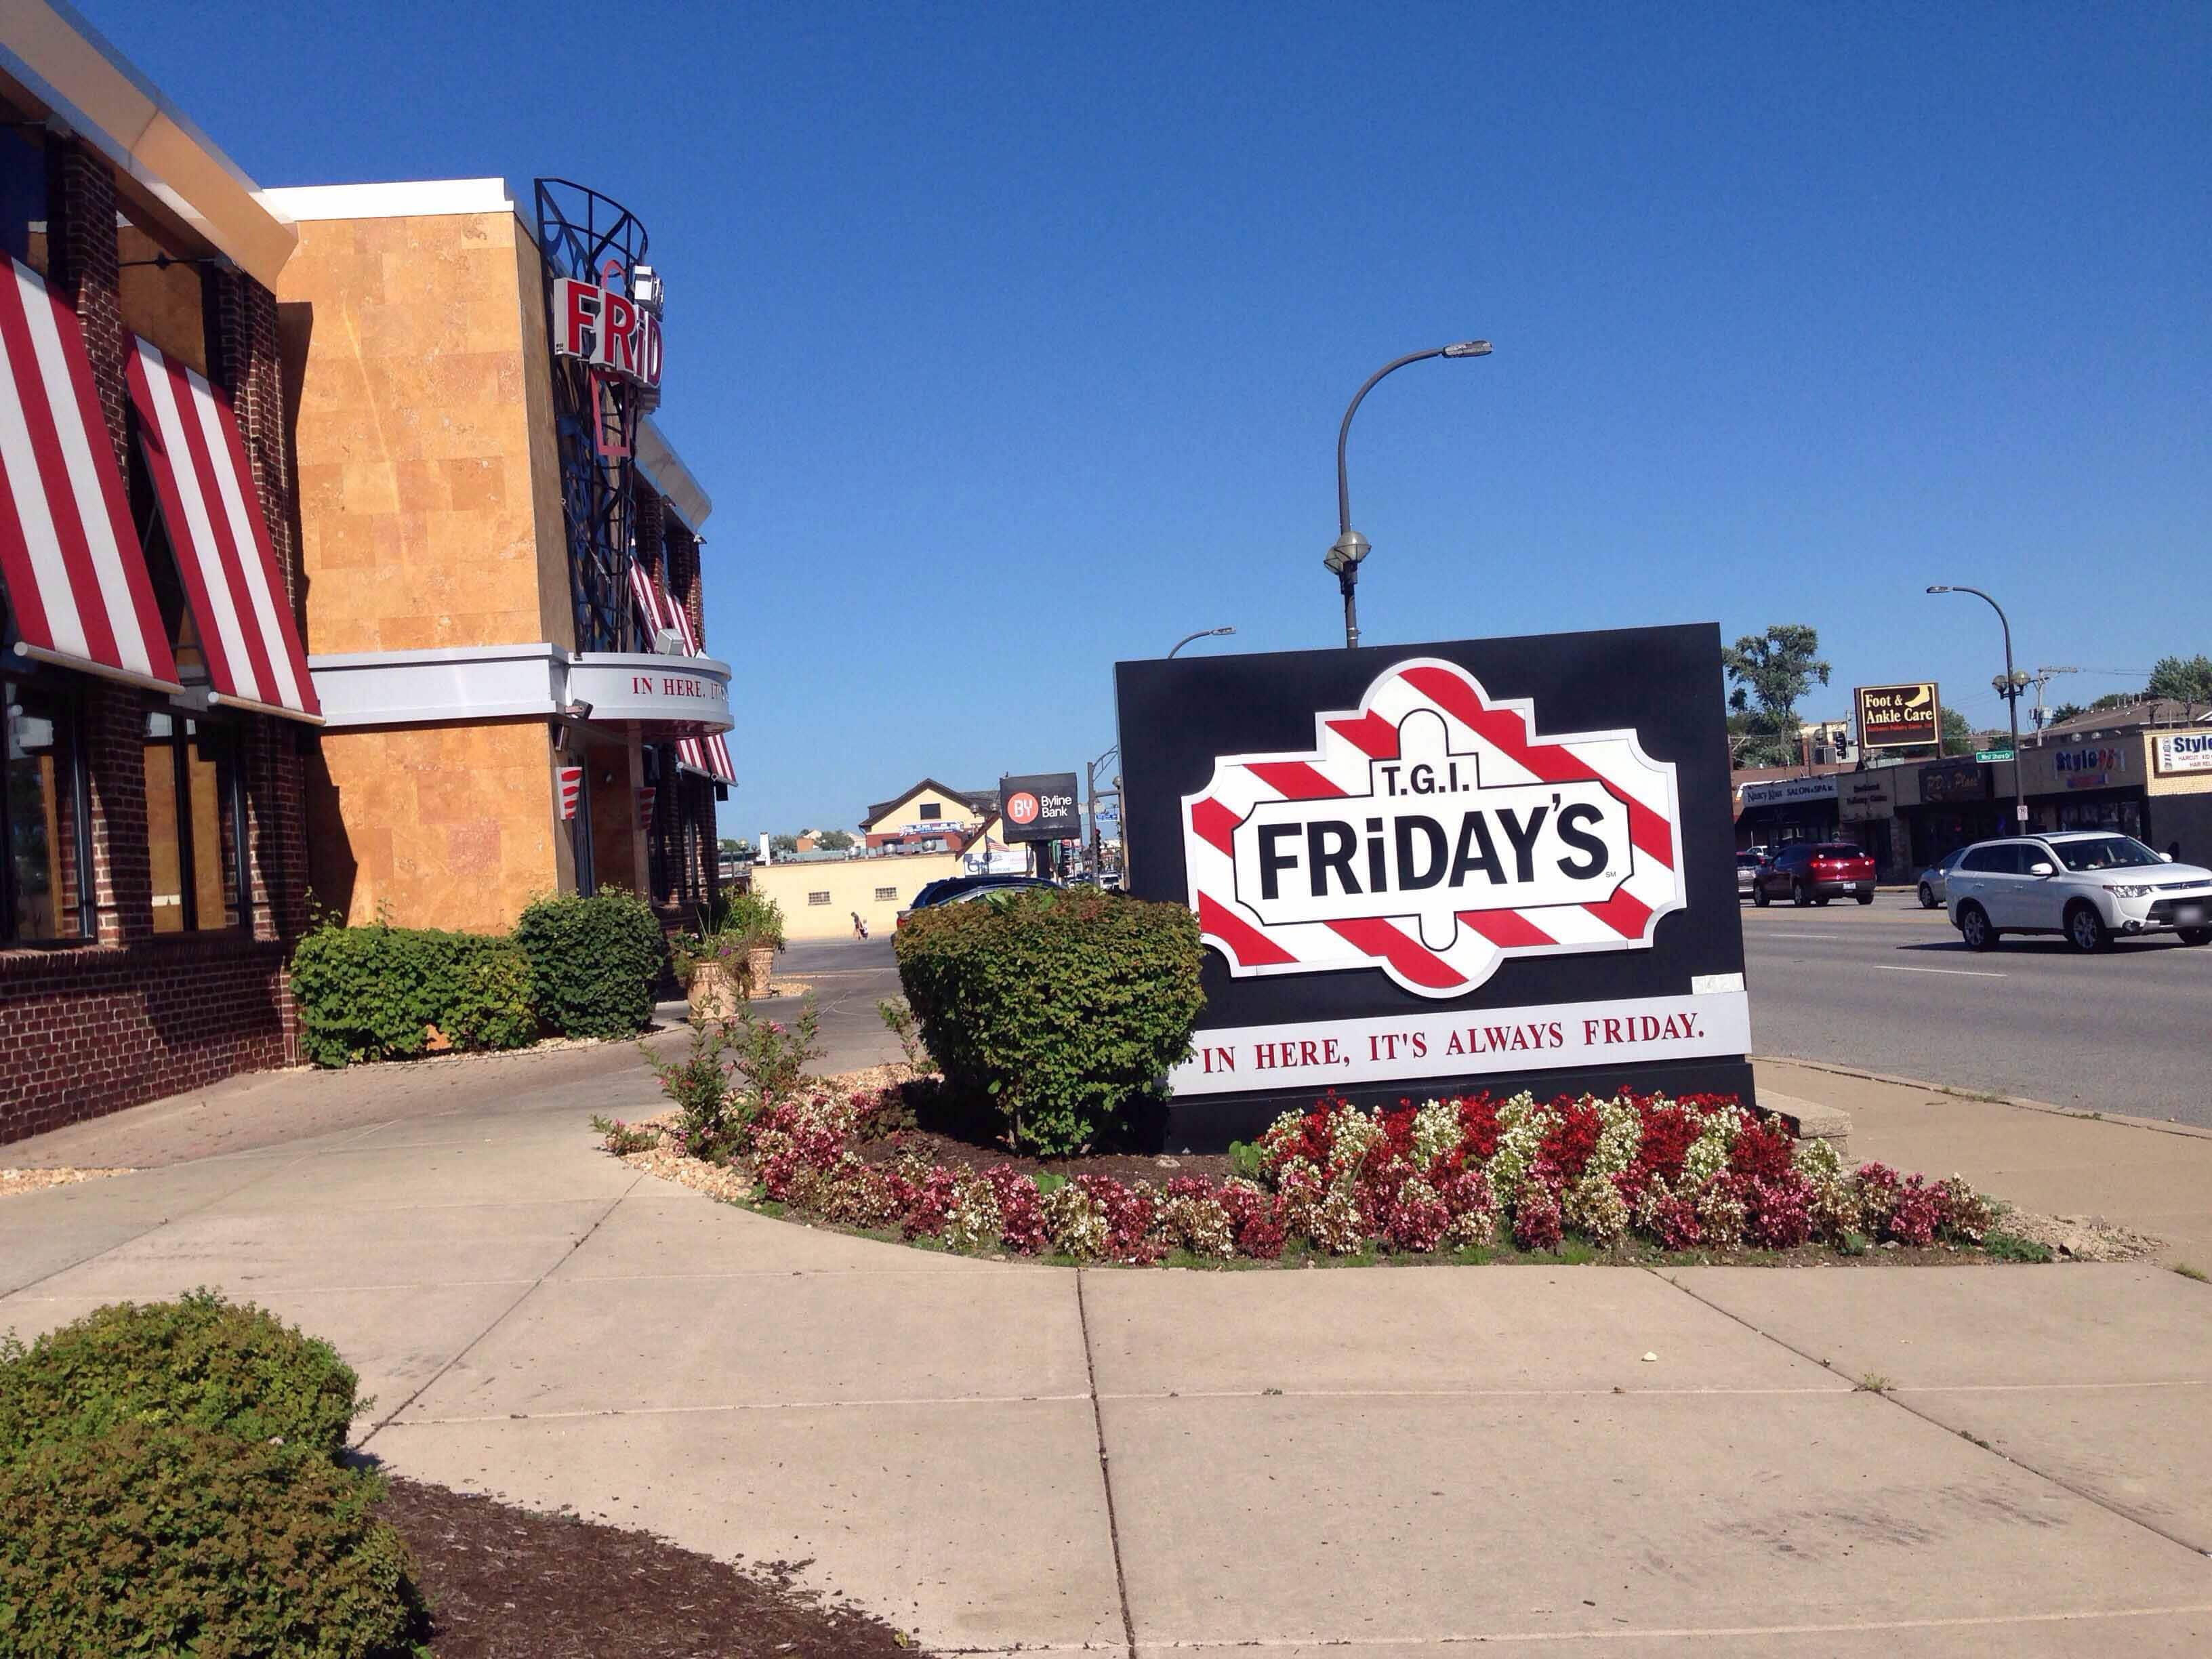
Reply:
x=2088 y=884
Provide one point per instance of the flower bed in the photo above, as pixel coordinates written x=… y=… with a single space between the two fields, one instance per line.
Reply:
x=1472 y=1174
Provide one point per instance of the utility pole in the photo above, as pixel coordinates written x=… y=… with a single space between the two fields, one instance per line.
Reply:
x=2041 y=677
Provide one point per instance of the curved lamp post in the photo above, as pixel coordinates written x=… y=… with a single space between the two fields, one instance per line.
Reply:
x=1202 y=633
x=2011 y=688
x=1350 y=547
x=1090 y=788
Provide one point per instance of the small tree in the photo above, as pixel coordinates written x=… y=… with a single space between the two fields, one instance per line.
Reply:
x=835 y=841
x=1958 y=736
x=786 y=845
x=1771 y=671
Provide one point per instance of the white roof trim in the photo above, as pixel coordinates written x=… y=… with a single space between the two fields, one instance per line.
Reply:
x=407 y=199
x=664 y=470
x=91 y=88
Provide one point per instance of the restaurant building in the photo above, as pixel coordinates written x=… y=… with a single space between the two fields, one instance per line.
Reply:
x=159 y=708
x=334 y=573
x=502 y=555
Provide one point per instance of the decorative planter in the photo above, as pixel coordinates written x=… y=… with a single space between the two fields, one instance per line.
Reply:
x=758 y=961
x=715 y=993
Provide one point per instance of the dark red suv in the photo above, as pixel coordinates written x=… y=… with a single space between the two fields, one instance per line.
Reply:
x=1814 y=871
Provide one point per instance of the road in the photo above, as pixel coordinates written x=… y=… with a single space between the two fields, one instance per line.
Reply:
x=1888 y=986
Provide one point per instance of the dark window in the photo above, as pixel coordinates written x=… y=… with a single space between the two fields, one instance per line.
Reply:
x=42 y=817
x=929 y=812
x=194 y=822
x=22 y=192
x=1838 y=849
x=2000 y=861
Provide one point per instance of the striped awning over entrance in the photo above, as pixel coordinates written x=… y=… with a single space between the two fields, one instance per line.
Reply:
x=197 y=460
x=708 y=756
x=76 y=576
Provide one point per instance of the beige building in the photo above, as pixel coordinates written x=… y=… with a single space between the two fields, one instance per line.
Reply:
x=819 y=897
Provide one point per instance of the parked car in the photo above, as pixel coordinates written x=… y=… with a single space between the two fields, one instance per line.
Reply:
x=952 y=889
x=2090 y=885
x=1748 y=864
x=1933 y=891
x=1813 y=873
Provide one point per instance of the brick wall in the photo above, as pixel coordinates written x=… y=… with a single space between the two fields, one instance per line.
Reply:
x=86 y=1032
x=89 y=1029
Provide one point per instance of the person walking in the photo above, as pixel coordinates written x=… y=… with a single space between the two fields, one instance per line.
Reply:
x=860 y=928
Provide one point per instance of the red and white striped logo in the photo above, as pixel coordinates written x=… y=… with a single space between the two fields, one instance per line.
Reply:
x=572 y=785
x=1431 y=833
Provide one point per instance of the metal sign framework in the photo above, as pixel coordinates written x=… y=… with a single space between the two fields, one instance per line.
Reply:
x=590 y=238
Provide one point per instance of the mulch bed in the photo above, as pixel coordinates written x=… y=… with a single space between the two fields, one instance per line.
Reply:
x=513 y=1583
x=965 y=1135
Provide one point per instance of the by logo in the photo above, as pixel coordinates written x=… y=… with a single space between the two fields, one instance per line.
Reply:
x=1432 y=832
x=1021 y=809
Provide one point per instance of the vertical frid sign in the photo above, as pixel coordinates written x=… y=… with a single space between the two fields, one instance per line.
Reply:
x=1496 y=863
x=606 y=331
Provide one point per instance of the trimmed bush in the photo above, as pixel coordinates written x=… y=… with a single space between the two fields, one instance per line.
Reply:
x=166 y=1539
x=199 y=1362
x=1062 y=1007
x=593 y=963
x=377 y=993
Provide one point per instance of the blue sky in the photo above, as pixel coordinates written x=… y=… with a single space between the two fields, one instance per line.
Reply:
x=1011 y=340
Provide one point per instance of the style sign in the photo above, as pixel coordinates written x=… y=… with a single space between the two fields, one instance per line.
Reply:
x=2183 y=751
x=1497 y=863
x=1042 y=806
x=1432 y=831
x=606 y=331
x=1899 y=716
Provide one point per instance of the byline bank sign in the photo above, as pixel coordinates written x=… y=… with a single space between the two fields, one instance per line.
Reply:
x=1454 y=874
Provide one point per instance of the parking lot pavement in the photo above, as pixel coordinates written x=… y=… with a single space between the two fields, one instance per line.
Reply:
x=1889 y=987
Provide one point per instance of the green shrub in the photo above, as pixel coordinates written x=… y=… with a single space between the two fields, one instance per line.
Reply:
x=153 y=1539
x=198 y=1361
x=593 y=962
x=1061 y=1006
x=374 y=993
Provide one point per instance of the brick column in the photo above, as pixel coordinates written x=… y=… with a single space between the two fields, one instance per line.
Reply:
x=242 y=354
x=82 y=258
x=646 y=518
x=684 y=577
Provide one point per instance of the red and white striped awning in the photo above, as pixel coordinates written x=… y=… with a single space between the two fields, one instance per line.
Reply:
x=708 y=756
x=76 y=576
x=223 y=554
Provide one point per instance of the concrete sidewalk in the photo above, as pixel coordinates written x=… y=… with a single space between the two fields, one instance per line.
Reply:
x=2151 y=1177
x=998 y=1455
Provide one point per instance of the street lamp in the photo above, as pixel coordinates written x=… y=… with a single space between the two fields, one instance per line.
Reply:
x=1344 y=557
x=1202 y=633
x=2010 y=690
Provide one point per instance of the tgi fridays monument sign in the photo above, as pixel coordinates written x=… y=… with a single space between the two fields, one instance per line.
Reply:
x=1498 y=864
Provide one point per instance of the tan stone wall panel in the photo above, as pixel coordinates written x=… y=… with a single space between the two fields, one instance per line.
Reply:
x=421 y=459
x=444 y=826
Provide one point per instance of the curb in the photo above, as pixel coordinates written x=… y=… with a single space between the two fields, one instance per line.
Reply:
x=2121 y=1120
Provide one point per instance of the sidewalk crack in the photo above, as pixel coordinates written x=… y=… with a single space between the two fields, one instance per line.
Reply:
x=529 y=1291
x=1105 y=1466
x=1890 y=1396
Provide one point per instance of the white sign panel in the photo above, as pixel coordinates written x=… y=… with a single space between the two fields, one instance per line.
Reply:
x=1780 y=792
x=655 y=690
x=2184 y=751
x=1432 y=832
x=602 y=328
x=1319 y=1055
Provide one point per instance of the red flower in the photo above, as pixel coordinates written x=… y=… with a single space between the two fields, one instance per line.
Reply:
x=1567 y=1146
x=1761 y=1152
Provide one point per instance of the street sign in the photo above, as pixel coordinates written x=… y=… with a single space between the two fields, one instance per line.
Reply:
x=1993 y=754
x=2021 y=811
x=1494 y=864
x=1898 y=716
